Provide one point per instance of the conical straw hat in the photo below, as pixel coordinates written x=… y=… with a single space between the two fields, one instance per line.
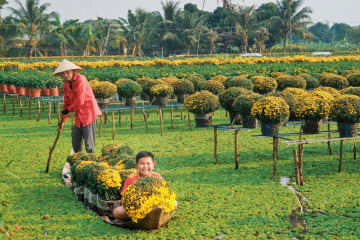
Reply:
x=66 y=65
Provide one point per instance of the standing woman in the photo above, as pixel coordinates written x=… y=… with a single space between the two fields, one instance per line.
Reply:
x=78 y=98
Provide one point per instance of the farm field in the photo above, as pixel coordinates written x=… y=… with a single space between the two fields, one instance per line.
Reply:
x=214 y=200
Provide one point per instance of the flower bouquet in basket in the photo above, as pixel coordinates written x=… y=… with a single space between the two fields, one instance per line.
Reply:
x=103 y=92
x=182 y=88
x=311 y=110
x=345 y=109
x=145 y=196
x=129 y=90
x=160 y=94
x=202 y=104
x=243 y=105
x=270 y=111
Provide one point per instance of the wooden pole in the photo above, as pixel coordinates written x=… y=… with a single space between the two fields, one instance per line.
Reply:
x=38 y=110
x=21 y=109
x=300 y=164
x=329 y=136
x=145 y=119
x=215 y=146
x=100 y=127
x=275 y=142
x=105 y=117
x=54 y=107
x=51 y=149
x=181 y=113
x=29 y=108
x=189 y=122
x=4 y=102
x=296 y=165
x=132 y=119
x=58 y=110
x=49 y=114
x=172 y=117
x=13 y=106
x=119 y=118
x=341 y=154
x=25 y=101
x=161 y=121
x=354 y=146
x=113 y=124
x=43 y=107
x=236 y=150
x=226 y=114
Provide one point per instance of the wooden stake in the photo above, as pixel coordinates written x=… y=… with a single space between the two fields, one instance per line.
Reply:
x=300 y=164
x=226 y=114
x=145 y=119
x=53 y=147
x=43 y=108
x=161 y=121
x=4 y=102
x=38 y=110
x=215 y=146
x=105 y=117
x=189 y=122
x=275 y=142
x=132 y=119
x=21 y=110
x=119 y=118
x=58 y=110
x=296 y=166
x=329 y=136
x=29 y=108
x=113 y=124
x=354 y=146
x=54 y=107
x=172 y=117
x=341 y=154
x=13 y=106
x=49 y=114
x=181 y=113
x=100 y=127
x=236 y=150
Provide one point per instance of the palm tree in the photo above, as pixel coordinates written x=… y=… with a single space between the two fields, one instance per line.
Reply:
x=261 y=36
x=9 y=35
x=291 y=18
x=245 y=23
x=212 y=37
x=34 y=22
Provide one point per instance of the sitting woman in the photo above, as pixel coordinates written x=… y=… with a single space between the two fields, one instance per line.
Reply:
x=144 y=164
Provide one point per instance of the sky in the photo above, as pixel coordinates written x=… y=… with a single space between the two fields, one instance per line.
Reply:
x=331 y=11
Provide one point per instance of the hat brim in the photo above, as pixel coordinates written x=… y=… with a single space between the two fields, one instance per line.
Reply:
x=66 y=65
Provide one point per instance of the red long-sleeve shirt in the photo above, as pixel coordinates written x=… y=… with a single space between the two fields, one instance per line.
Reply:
x=80 y=99
x=132 y=178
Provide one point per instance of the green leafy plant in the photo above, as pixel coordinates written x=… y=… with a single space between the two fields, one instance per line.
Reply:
x=161 y=90
x=292 y=81
x=244 y=103
x=333 y=80
x=129 y=89
x=354 y=79
x=183 y=87
x=239 y=82
x=227 y=97
x=216 y=87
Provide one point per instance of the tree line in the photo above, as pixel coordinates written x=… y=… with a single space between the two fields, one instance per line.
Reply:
x=31 y=30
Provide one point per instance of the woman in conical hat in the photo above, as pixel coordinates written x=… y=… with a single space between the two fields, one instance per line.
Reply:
x=78 y=98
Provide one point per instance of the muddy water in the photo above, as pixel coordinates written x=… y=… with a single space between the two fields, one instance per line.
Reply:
x=294 y=219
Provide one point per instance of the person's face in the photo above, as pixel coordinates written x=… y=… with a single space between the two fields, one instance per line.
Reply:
x=67 y=75
x=145 y=166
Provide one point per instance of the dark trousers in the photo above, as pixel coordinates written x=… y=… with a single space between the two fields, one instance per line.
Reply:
x=88 y=134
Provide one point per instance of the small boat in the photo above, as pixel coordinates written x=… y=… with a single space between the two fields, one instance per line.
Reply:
x=157 y=218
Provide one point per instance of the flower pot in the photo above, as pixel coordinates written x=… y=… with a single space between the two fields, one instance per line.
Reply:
x=103 y=102
x=249 y=121
x=11 y=89
x=159 y=101
x=3 y=88
x=203 y=120
x=45 y=92
x=34 y=92
x=144 y=96
x=235 y=118
x=181 y=98
x=347 y=129
x=130 y=101
x=270 y=129
x=20 y=90
x=54 y=92
x=311 y=126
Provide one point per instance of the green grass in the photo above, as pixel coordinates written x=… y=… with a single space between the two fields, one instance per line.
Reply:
x=213 y=199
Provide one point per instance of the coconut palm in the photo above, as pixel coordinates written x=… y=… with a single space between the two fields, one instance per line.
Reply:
x=9 y=35
x=260 y=37
x=245 y=23
x=34 y=22
x=292 y=17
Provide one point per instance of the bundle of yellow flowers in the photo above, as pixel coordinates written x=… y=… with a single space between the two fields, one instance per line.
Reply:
x=146 y=194
x=103 y=89
x=271 y=110
x=346 y=109
x=330 y=90
x=161 y=90
x=326 y=96
x=297 y=92
x=264 y=85
x=109 y=178
x=202 y=102
x=219 y=78
x=311 y=107
x=122 y=80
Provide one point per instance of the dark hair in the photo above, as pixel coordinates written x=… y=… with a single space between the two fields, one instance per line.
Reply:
x=144 y=154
